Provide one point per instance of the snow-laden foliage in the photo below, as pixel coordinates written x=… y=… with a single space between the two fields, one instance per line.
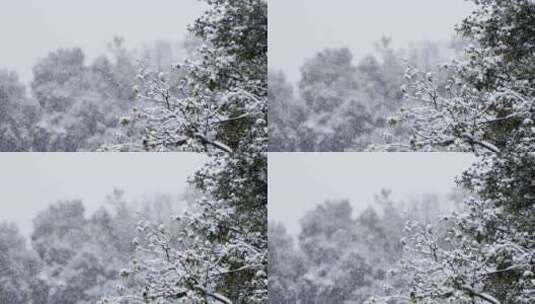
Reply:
x=488 y=103
x=487 y=256
x=220 y=103
x=487 y=108
x=218 y=251
x=219 y=254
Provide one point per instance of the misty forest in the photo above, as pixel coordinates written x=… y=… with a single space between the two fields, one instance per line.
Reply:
x=115 y=254
x=482 y=102
x=75 y=257
x=343 y=255
x=213 y=101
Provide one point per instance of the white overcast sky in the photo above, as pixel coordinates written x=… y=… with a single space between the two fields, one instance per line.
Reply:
x=300 y=181
x=300 y=28
x=31 y=181
x=29 y=29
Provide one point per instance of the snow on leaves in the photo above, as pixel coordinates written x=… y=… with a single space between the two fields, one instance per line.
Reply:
x=218 y=254
x=487 y=107
x=220 y=103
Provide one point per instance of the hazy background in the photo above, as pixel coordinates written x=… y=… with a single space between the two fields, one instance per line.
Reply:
x=300 y=28
x=31 y=181
x=300 y=181
x=29 y=29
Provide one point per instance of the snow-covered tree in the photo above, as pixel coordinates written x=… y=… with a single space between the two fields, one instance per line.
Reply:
x=215 y=252
x=487 y=108
x=220 y=103
x=219 y=254
x=488 y=103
